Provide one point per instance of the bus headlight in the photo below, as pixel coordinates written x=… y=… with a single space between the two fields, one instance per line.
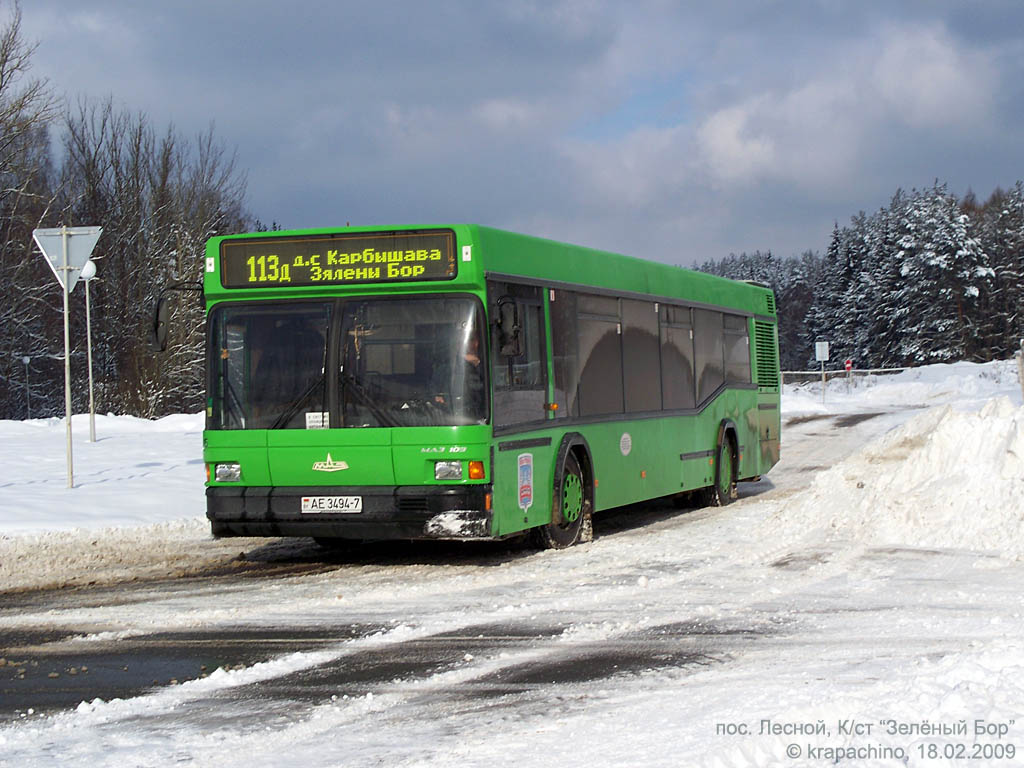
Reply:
x=447 y=470
x=230 y=472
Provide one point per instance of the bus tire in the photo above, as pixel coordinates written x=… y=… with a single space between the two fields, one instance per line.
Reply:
x=723 y=492
x=573 y=505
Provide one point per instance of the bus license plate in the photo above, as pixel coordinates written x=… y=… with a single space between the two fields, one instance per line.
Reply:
x=344 y=504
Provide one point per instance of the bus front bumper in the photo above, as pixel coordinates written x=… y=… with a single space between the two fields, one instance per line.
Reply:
x=388 y=512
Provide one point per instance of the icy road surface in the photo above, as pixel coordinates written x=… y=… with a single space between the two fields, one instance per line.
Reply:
x=853 y=599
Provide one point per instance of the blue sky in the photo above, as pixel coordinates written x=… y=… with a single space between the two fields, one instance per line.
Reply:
x=668 y=130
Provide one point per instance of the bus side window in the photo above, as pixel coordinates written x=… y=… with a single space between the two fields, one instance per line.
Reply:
x=709 y=352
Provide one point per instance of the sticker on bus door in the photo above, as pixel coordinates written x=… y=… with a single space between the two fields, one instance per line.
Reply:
x=525 y=481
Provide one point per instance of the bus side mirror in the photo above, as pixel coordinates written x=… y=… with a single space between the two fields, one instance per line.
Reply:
x=161 y=314
x=510 y=338
x=158 y=332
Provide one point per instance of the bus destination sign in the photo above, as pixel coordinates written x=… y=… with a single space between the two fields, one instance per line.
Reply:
x=339 y=259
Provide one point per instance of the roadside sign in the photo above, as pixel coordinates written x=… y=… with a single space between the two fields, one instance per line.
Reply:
x=849 y=365
x=821 y=355
x=66 y=250
x=80 y=242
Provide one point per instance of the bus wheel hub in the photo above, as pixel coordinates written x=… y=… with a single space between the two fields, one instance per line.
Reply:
x=572 y=498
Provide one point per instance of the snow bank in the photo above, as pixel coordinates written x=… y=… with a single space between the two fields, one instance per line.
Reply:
x=78 y=557
x=137 y=507
x=945 y=479
x=965 y=385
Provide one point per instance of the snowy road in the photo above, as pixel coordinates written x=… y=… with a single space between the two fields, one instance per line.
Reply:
x=666 y=641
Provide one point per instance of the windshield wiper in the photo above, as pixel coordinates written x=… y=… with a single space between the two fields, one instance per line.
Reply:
x=296 y=405
x=382 y=416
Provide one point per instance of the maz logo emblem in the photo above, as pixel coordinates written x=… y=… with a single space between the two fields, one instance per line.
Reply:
x=330 y=465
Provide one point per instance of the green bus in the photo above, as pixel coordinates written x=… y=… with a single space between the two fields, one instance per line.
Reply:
x=463 y=382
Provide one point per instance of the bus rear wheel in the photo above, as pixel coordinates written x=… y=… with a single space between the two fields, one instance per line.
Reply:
x=724 y=490
x=574 y=505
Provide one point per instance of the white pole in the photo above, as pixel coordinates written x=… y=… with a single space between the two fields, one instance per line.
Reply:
x=28 y=392
x=822 y=382
x=67 y=354
x=88 y=347
x=1020 y=366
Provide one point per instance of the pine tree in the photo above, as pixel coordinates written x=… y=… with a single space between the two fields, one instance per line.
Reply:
x=1001 y=229
x=944 y=271
x=826 y=319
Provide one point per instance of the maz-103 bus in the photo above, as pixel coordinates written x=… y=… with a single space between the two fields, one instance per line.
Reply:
x=462 y=382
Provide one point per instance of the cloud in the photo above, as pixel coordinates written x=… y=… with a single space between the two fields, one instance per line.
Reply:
x=789 y=157
x=504 y=115
x=904 y=83
x=907 y=81
x=734 y=149
x=925 y=79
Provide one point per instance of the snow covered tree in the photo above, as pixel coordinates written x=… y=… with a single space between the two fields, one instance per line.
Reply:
x=880 y=282
x=925 y=279
x=1001 y=230
x=26 y=109
x=944 y=271
x=794 y=297
x=828 y=315
x=158 y=199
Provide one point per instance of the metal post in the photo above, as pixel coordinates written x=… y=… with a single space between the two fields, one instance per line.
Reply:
x=67 y=354
x=822 y=382
x=28 y=392
x=88 y=347
x=1020 y=366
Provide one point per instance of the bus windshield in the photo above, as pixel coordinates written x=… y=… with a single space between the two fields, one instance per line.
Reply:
x=400 y=362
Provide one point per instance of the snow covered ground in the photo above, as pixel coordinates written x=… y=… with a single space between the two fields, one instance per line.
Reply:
x=864 y=604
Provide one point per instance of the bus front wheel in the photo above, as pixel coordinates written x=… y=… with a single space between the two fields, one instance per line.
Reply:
x=571 y=521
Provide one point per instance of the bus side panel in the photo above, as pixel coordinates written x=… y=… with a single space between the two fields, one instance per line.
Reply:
x=769 y=430
x=523 y=481
x=700 y=437
x=630 y=460
x=741 y=408
x=648 y=458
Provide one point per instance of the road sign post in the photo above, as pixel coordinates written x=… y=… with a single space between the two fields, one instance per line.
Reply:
x=28 y=391
x=1020 y=366
x=88 y=273
x=66 y=249
x=821 y=355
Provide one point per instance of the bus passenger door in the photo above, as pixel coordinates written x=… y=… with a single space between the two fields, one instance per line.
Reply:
x=519 y=378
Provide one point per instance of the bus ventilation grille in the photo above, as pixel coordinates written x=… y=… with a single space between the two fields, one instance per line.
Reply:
x=413 y=504
x=767 y=359
x=770 y=302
